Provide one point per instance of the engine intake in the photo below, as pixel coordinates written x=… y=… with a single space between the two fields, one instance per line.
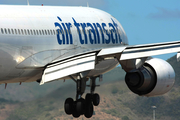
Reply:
x=155 y=77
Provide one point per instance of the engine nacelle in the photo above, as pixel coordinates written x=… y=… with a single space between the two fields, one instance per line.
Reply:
x=155 y=77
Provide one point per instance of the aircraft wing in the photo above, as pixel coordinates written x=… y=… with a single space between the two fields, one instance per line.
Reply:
x=86 y=61
x=140 y=51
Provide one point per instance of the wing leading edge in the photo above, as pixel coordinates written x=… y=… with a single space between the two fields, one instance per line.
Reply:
x=141 y=51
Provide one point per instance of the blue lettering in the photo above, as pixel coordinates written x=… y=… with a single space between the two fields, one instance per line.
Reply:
x=117 y=31
x=113 y=30
x=83 y=25
x=102 y=34
x=90 y=35
x=61 y=31
x=97 y=33
x=58 y=33
x=79 y=32
x=69 y=32
x=106 y=31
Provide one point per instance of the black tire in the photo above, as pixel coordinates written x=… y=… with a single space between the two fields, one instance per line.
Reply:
x=89 y=110
x=80 y=105
x=96 y=99
x=88 y=97
x=75 y=114
x=68 y=106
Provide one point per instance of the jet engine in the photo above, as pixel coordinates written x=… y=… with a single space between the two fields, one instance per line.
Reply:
x=155 y=77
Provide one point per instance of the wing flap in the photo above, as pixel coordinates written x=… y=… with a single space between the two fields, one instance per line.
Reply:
x=111 y=51
x=68 y=67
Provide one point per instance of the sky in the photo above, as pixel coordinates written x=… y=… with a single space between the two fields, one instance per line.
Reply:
x=143 y=21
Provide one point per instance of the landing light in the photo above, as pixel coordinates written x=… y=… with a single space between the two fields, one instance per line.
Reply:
x=19 y=59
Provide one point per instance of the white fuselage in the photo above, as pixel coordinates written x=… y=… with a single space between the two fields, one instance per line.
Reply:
x=33 y=36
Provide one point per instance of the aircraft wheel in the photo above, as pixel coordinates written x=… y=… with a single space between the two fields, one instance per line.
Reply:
x=88 y=97
x=75 y=114
x=68 y=106
x=80 y=105
x=96 y=99
x=89 y=110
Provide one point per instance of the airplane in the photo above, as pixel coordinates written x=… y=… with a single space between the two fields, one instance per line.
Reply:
x=48 y=43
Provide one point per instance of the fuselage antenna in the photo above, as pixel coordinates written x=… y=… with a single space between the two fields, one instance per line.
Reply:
x=87 y=4
x=28 y=2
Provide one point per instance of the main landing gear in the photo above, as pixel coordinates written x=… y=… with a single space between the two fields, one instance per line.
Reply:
x=82 y=106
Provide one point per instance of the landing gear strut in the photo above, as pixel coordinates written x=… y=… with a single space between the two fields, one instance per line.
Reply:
x=82 y=106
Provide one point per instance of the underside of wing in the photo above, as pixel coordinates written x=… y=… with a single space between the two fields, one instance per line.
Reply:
x=68 y=67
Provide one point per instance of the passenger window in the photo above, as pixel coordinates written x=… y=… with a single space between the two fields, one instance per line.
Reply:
x=54 y=32
x=45 y=32
x=34 y=32
x=5 y=30
x=19 y=31
x=22 y=31
x=39 y=32
x=42 y=32
x=51 y=32
x=28 y=32
x=25 y=32
x=12 y=31
x=9 y=31
x=15 y=31
x=31 y=32
x=48 y=32
x=2 y=31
